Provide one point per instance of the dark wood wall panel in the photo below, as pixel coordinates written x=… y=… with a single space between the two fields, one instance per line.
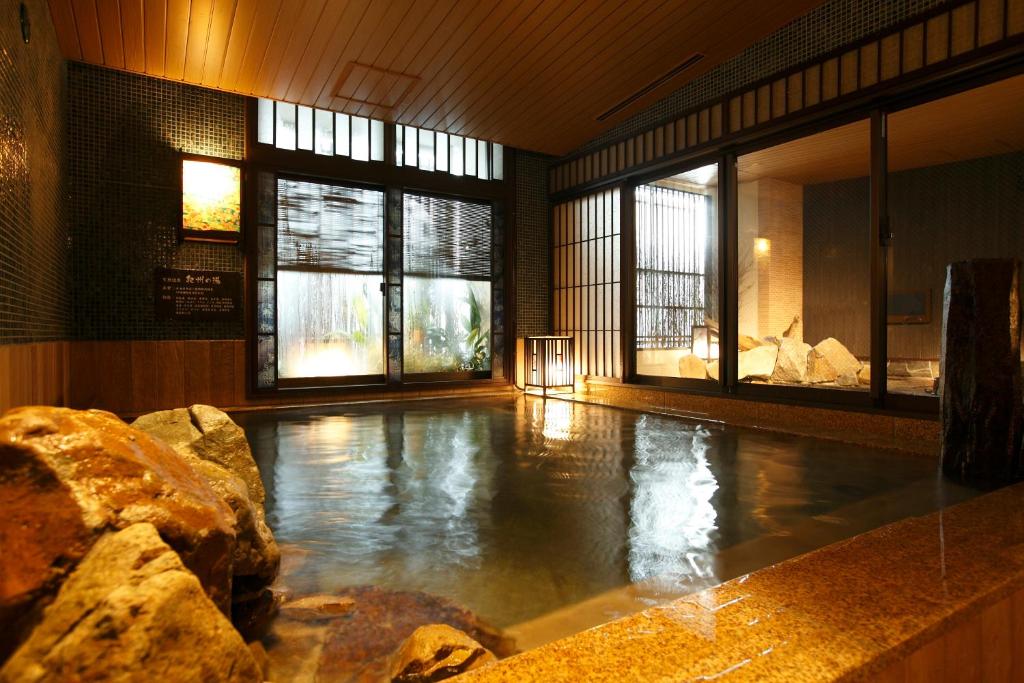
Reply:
x=33 y=374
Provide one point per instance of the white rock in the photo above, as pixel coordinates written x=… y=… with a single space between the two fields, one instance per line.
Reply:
x=791 y=365
x=692 y=367
x=829 y=359
x=758 y=363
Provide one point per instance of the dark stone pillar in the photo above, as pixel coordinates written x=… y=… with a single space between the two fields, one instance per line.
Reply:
x=981 y=373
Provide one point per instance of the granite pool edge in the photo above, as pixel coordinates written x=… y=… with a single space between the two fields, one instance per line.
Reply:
x=847 y=611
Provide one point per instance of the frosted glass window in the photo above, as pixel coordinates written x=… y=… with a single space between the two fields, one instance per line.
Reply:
x=324 y=132
x=481 y=160
x=360 y=138
x=285 y=126
x=470 y=156
x=441 y=161
x=341 y=140
x=376 y=140
x=265 y=121
x=426 y=139
x=399 y=144
x=497 y=161
x=329 y=324
x=447 y=325
x=305 y=128
x=455 y=147
x=411 y=152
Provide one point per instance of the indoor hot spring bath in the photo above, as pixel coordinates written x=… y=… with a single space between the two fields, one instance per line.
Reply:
x=541 y=518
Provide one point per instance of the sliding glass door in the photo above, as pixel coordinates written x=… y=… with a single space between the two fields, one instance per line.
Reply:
x=677 y=320
x=330 y=269
x=446 y=316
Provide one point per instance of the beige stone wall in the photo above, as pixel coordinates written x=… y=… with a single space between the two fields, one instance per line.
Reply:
x=771 y=282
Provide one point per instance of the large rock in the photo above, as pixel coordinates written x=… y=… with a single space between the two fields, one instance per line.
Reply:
x=791 y=364
x=68 y=476
x=795 y=331
x=758 y=363
x=437 y=652
x=693 y=367
x=746 y=342
x=713 y=369
x=231 y=472
x=210 y=434
x=829 y=359
x=980 y=375
x=131 y=611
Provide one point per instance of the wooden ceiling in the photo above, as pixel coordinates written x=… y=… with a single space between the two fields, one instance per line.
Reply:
x=533 y=74
x=982 y=122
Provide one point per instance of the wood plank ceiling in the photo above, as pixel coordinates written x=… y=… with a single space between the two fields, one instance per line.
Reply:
x=533 y=74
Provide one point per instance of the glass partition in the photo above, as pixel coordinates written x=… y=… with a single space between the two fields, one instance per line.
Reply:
x=804 y=261
x=677 y=320
x=956 y=191
x=330 y=265
x=447 y=286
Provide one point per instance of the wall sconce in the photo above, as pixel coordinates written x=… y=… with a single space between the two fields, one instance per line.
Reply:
x=211 y=199
x=762 y=246
x=705 y=342
x=549 y=364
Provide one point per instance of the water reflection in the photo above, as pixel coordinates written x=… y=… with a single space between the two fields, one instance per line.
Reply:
x=671 y=513
x=516 y=508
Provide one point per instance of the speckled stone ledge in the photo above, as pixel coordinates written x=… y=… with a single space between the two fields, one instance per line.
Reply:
x=846 y=612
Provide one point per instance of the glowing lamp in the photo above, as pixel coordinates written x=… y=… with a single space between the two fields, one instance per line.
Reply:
x=705 y=342
x=211 y=200
x=763 y=246
x=549 y=364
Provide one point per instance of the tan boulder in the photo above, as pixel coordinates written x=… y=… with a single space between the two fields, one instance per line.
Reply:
x=758 y=363
x=864 y=376
x=131 y=611
x=78 y=474
x=437 y=652
x=847 y=379
x=713 y=369
x=256 y=552
x=795 y=330
x=829 y=359
x=210 y=434
x=791 y=365
x=692 y=367
x=746 y=342
x=317 y=607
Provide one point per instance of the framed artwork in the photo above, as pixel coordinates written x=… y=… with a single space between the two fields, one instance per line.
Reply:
x=211 y=199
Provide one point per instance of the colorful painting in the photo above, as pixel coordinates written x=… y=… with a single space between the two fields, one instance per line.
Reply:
x=211 y=206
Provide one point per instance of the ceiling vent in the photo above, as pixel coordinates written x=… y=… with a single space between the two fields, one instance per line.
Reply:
x=652 y=86
x=373 y=86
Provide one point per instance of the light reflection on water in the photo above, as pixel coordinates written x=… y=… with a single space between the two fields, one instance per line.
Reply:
x=517 y=507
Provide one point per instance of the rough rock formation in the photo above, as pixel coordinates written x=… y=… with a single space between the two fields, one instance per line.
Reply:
x=131 y=611
x=318 y=607
x=980 y=375
x=437 y=652
x=78 y=474
x=217 y=449
x=692 y=367
x=358 y=645
x=758 y=363
x=713 y=369
x=864 y=375
x=746 y=342
x=829 y=359
x=847 y=379
x=791 y=365
x=210 y=434
x=795 y=330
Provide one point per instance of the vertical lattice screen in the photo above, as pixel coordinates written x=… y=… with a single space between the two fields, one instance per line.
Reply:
x=587 y=249
x=671 y=250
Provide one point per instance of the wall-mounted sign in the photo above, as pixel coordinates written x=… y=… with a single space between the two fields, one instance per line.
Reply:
x=197 y=295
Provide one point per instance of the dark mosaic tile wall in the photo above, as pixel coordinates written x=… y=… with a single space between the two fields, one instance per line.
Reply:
x=124 y=136
x=34 y=296
x=829 y=26
x=532 y=245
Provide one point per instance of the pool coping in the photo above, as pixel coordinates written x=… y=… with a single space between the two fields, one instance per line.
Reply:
x=848 y=611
